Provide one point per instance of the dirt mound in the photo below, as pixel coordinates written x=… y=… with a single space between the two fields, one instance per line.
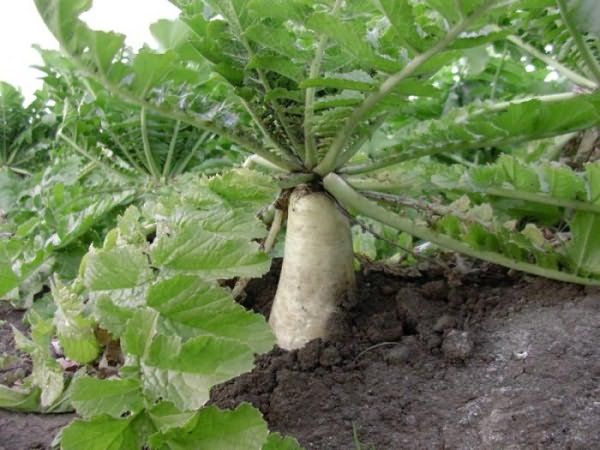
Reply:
x=486 y=360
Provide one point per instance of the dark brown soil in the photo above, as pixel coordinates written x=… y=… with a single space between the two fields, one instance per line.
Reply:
x=483 y=361
x=487 y=360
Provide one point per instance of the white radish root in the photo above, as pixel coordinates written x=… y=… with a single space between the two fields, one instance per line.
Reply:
x=317 y=269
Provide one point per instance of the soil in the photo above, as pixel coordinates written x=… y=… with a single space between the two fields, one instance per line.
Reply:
x=482 y=360
x=476 y=359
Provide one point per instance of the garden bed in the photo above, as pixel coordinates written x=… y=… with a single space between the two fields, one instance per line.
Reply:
x=485 y=359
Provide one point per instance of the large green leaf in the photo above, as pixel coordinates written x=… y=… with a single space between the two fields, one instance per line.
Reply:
x=103 y=433
x=191 y=307
x=470 y=128
x=193 y=251
x=8 y=279
x=118 y=268
x=584 y=247
x=113 y=397
x=165 y=415
x=10 y=187
x=183 y=373
x=240 y=429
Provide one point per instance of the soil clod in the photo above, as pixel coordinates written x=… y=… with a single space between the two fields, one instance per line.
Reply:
x=457 y=345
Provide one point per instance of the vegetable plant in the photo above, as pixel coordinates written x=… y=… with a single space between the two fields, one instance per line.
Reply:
x=416 y=116
x=25 y=131
x=341 y=97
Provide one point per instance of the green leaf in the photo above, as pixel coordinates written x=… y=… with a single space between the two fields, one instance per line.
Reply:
x=140 y=330
x=279 y=40
x=400 y=14
x=10 y=188
x=276 y=441
x=170 y=33
x=563 y=182
x=102 y=433
x=351 y=35
x=119 y=268
x=279 y=64
x=465 y=129
x=21 y=400
x=240 y=429
x=165 y=415
x=74 y=328
x=183 y=373
x=244 y=188
x=364 y=243
x=585 y=242
x=282 y=10
x=192 y=307
x=584 y=247
x=8 y=279
x=113 y=397
x=593 y=178
x=193 y=251
x=110 y=316
x=46 y=375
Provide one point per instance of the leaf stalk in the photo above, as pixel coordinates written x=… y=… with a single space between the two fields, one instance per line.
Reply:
x=352 y=200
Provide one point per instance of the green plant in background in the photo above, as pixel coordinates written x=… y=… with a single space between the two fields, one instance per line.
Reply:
x=26 y=132
x=413 y=117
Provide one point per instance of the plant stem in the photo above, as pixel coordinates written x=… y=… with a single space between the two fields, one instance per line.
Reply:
x=560 y=68
x=356 y=146
x=498 y=72
x=534 y=197
x=255 y=160
x=543 y=199
x=352 y=200
x=330 y=162
x=310 y=146
x=87 y=155
x=294 y=179
x=146 y=144
x=550 y=98
x=267 y=246
x=586 y=53
x=239 y=31
x=19 y=171
x=183 y=164
x=265 y=131
x=126 y=152
x=167 y=166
